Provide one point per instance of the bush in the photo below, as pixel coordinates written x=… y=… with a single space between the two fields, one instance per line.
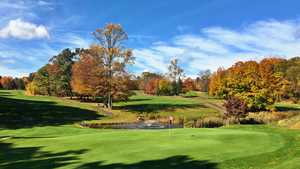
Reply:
x=210 y=122
x=236 y=108
x=31 y=89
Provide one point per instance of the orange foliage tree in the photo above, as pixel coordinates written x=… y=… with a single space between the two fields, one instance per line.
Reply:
x=257 y=84
x=188 y=85
x=7 y=82
x=114 y=56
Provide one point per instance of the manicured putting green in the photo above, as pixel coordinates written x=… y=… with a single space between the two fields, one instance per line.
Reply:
x=70 y=147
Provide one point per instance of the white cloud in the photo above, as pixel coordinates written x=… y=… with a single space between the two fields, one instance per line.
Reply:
x=4 y=71
x=44 y=3
x=74 y=41
x=20 y=29
x=13 y=5
x=217 y=47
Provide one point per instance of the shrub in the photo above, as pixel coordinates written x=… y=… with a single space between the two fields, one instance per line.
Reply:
x=235 y=107
x=210 y=122
x=31 y=89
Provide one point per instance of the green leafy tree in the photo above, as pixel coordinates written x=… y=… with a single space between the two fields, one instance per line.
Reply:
x=60 y=73
x=41 y=81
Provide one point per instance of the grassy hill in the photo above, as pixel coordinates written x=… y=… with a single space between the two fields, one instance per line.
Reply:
x=18 y=109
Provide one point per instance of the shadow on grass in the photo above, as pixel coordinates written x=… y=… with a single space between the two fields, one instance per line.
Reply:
x=174 y=162
x=136 y=100
x=18 y=113
x=153 y=108
x=34 y=158
x=286 y=108
x=4 y=93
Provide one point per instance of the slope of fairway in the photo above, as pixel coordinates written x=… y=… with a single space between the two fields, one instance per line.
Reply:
x=70 y=147
x=18 y=110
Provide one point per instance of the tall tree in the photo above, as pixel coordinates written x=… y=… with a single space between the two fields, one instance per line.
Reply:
x=60 y=72
x=175 y=73
x=41 y=81
x=88 y=75
x=202 y=80
x=115 y=56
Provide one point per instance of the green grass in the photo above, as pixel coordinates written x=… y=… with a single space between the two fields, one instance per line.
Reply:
x=287 y=106
x=69 y=147
x=33 y=110
x=165 y=106
x=18 y=110
x=36 y=132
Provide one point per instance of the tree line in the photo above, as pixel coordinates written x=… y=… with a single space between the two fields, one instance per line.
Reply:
x=258 y=85
x=10 y=83
x=172 y=83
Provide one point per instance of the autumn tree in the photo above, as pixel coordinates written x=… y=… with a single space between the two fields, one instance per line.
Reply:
x=165 y=87
x=41 y=81
x=115 y=56
x=152 y=86
x=145 y=78
x=257 y=84
x=7 y=82
x=188 y=85
x=291 y=70
x=217 y=83
x=88 y=73
x=175 y=73
x=60 y=72
x=236 y=108
x=272 y=79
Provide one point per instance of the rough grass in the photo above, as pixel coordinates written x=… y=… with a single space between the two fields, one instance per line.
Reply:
x=292 y=122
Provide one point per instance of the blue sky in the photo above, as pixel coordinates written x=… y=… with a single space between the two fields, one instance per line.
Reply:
x=202 y=34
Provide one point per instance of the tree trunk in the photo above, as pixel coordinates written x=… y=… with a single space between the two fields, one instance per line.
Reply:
x=109 y=101
x=109 y=97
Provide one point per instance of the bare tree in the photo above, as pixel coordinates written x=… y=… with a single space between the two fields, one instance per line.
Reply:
x=175 y=73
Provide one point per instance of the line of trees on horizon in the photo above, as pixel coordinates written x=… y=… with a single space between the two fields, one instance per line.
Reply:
x=10 y=83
